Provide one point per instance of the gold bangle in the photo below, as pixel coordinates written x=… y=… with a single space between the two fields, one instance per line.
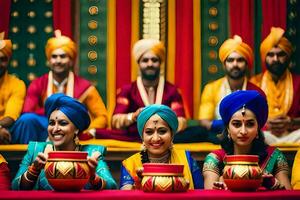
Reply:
x=26 y=178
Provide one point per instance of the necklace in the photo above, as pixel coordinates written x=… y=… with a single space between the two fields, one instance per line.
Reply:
x=164 y=159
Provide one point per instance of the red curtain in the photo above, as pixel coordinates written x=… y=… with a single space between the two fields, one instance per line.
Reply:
x=241 y=13
x=274 y=14
x=5 y=15
x=123 y=42
x=184 y=51
x=62 y=17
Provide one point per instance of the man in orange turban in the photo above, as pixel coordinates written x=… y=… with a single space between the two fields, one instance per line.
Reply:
x=61 y=54
x=237 y=59
x=12 y=93
x=281 y=87
x=149 y=88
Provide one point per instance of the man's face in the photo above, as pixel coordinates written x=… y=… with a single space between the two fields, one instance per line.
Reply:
x=277 y=61
x=3 y=63
x=235 y=66
x=149 y=65
x=60 y=62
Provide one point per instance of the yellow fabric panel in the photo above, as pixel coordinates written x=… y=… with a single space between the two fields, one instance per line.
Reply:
x=2 y=159
x=197 y=55
x=171 y=53
x=296 y=172
x=135 y=25
x=111 y=58
x=97 y=109
x=12 y=95
x=209 y=99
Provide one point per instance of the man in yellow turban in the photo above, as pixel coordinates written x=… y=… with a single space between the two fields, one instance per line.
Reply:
x=149 y=88
x=61 y=54
x=281 y=87
x=12 y=93
x=237 y=59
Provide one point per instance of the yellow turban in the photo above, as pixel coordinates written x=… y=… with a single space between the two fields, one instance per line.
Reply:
x=236 y=44
x=144 y=45
x=5 y=46
x=62 y=42
x=275 y=38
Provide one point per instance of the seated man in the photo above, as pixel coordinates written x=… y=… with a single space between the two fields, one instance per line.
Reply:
x=237 y=59
x=149 y=88
x=12 y=93
x=61 y=54
x=281 y=87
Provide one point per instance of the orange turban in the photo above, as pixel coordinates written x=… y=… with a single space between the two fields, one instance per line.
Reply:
x=62 y=42
x=144 y=45
x=5 y=46
x=236 y=44
x=275 y=38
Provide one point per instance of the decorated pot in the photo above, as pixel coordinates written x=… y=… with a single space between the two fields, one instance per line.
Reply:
x=67 y=170
x=242 y=172
x=159 y=177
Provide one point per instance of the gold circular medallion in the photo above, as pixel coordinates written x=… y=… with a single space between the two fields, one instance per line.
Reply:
x=15 y=46
x=213 y=11
x=212 y=69
x=92 y=40
x=31 y=14
x=48 y=29
x=92 y=69
x=15 y=29
x=93 y=10
x=212 y=54
x=31 y=45
x=15 y=14
x=48 y=14
x=14 y=63
x=31 y=29
x=213 y=26
x=213 y=41
x=92 y=55
x=31 y=76
x=93 y=24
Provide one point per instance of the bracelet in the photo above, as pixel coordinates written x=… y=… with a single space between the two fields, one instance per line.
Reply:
x=98 y=181
x=26 y=178
x=129 y=117
x=33 y=170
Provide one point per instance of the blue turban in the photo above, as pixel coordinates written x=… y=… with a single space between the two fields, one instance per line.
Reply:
x=250 y=99
x=166 y=113
x=73 y=109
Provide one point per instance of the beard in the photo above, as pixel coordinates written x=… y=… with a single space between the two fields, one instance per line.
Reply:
x=277 y=68
x=150 y=73
x=235 y=73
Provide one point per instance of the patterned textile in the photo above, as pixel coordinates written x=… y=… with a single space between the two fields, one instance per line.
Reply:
x=42 y=183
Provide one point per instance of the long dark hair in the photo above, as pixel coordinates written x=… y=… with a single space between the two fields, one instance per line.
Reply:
x=259 y=147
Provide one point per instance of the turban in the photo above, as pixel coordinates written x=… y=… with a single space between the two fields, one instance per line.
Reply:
x=250 y=99
x=165 y=112
x=5 y=46
x=236 y=44
x=275 y=38
x=62 y=42
x=144 y=45
x=73 y=109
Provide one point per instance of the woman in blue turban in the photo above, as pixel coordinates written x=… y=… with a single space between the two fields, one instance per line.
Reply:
x=66 y=118
x=157 y=125
x=244 y=114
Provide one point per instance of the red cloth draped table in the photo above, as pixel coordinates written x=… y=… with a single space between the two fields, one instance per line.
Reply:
x=123 y=195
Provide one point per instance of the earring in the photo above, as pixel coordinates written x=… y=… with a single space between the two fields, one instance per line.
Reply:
x=76 y=139
x=229 y=138
x=143 y=147
x=171 y=146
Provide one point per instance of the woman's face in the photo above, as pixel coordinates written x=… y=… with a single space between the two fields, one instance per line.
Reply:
x=61 y=131
x=243 y=128
x=157 y=136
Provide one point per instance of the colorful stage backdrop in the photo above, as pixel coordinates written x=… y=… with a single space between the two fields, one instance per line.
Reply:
x=105 y=31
